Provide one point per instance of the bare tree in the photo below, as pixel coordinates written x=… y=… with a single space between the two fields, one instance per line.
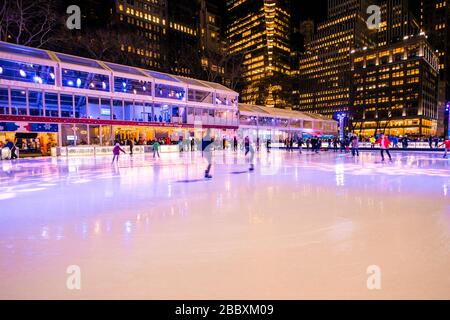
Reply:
x=234 y=70
x=106 y=44
x=27 y=22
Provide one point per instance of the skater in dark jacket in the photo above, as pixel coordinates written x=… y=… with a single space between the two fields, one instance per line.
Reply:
x=207 y=147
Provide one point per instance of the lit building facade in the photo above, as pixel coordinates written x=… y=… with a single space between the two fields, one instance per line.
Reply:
x=324 y=69
x=163 y=29
x=68 y=101
x=260 y=30
x=435 y=22
x=397 y=21
x=212 y=44
x=394 y=89
x=277 y=124
x=149 y=20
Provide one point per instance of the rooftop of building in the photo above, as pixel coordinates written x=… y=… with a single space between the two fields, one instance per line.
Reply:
x=55 y=57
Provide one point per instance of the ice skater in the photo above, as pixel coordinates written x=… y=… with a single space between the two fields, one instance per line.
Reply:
x=12 y=149
x=384 y=143
x=446 y=145
x=249 y=149
x=207 y=146
x=156 y=149
x=131 y=144
x=300 y=144
x=116 y=152
x=355 y=145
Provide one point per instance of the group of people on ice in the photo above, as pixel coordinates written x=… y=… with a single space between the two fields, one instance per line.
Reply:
x=348 y=144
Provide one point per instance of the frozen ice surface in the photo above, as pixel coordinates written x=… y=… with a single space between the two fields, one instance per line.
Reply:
x=299 y=226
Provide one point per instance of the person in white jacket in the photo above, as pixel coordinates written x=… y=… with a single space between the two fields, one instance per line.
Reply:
x=249 y=149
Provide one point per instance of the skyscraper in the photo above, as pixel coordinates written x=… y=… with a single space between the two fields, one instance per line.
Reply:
x=435 y=22
x=159 y=34
x=260 y=30
x=324 y=68
x=394 y=89
x=397 y=22
x=147 y=19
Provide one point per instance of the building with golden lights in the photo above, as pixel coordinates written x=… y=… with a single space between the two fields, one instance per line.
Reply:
x=435 y=22
x=394 y=89
x=324 y=68
x=397 y=21
x=260 y=29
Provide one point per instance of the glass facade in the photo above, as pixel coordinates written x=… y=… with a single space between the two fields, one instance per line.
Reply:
x=200 y=96
x=84 y=80
x=169 y=92
x=128 y=85
x=26 y=72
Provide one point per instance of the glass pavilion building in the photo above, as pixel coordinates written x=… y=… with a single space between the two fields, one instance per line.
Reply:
x=50 y=100
x=77 y=101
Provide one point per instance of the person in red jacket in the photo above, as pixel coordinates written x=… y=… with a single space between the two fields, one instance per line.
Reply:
x=384 y=143
x=446 y=144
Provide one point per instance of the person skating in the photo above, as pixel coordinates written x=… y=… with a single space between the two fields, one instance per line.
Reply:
x=207 y=145
x=235 y=144
x=249 y=149
x=446 y=145
x=155 y=148
x=247 y=145
x=384 y=145
x=395 y=142
x=300 y=144
x=335 y=144
x=436 y=142
x=355 y=145
x=12 y=148
x=372 y=141
x=405 y=142
x=116 y=152
x=268 y=142
x=130 y=142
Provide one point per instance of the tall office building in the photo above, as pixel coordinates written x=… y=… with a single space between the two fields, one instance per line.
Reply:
x=324 y=68
x=260 y=30
x=147 y=19
x=156 y=33
x=169 y=28
x=212 y=44
x=394 y=89
x=435 y=22
x=397 y=22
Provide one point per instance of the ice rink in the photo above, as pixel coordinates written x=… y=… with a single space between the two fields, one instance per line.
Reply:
x=299 y=226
